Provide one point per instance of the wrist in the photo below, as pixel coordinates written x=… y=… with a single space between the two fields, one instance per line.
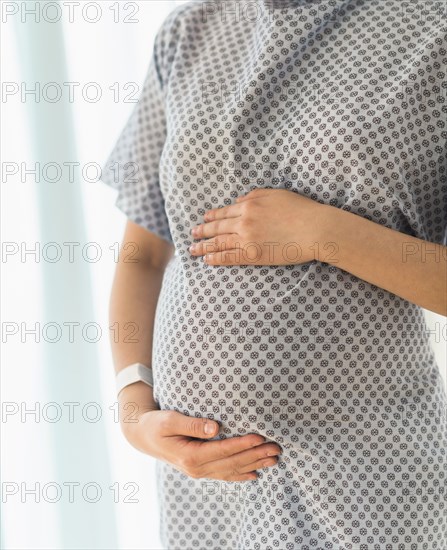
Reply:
x=326 y=234
x=135 y=400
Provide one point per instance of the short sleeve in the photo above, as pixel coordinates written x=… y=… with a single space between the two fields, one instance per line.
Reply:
x=133 y=165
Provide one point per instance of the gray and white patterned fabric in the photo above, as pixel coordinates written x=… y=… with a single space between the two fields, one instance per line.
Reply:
x=343 y=101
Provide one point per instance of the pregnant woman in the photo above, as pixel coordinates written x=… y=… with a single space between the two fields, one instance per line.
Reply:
x=284 y=175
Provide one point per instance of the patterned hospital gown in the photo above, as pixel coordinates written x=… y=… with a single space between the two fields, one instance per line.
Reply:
x=342 y=101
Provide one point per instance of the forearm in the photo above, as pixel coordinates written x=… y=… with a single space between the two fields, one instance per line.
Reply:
x=133 y=302
x=131 y=315
x=411 y=268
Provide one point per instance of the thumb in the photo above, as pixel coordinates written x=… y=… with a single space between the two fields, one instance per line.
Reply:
x=202 y=428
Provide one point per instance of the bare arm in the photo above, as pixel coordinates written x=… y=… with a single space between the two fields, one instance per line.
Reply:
x=135 y=292
x=407 y=266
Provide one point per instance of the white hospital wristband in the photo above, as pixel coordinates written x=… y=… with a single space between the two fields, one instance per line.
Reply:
x=137 y=372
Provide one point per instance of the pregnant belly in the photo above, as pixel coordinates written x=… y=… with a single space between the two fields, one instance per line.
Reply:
x=264 y=346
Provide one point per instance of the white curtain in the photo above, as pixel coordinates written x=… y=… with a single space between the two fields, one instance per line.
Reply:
x=71 y=73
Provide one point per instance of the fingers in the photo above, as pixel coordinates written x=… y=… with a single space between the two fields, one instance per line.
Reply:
x=230 y=211
x=235 y=472
x=221 y=242
x=210 y=451
x=218 y=227
x=261 y=456
x=175 y=424
x=259 y=464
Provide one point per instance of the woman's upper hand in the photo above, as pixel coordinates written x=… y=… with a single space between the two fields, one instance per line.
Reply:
x=264 y=227
x=182 y=441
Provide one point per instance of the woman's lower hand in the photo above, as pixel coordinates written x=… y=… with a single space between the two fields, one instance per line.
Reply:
x=181 y=441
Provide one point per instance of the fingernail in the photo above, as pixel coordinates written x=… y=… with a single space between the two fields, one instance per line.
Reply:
x=209 y=428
